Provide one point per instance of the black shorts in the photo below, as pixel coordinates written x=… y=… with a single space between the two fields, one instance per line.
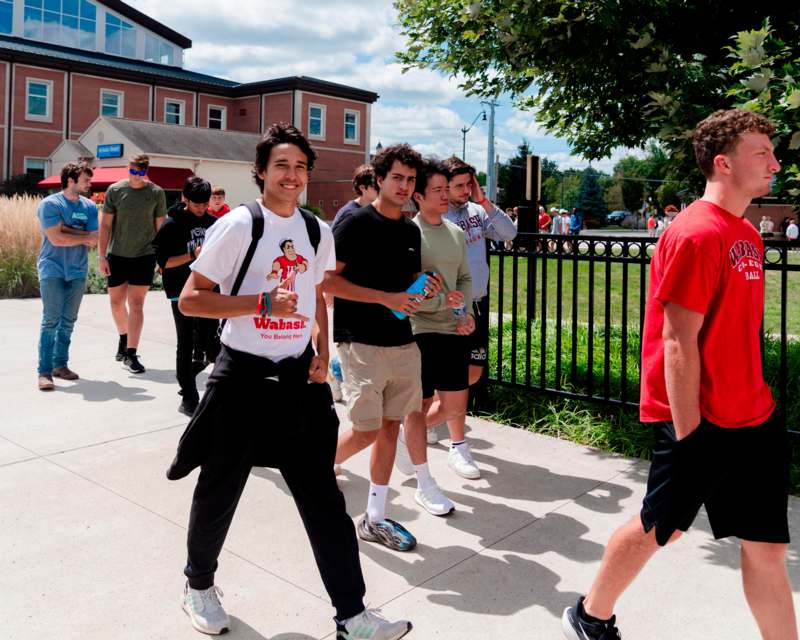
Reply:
x=135 y=271
x=740 y=475
x=479 y=339
x=445 y=362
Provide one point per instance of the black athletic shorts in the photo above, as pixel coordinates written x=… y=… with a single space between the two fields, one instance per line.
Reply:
x=445 y=362
x=740 y=475
x=479 y=339
x=135 y=271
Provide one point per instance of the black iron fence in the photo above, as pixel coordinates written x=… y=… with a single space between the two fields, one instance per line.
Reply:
x=567 y=313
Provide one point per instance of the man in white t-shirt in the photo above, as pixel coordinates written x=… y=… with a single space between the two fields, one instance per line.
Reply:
x=267 y=403
x=792 y=230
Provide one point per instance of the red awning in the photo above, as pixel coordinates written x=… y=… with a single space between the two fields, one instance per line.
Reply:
x=165 y=177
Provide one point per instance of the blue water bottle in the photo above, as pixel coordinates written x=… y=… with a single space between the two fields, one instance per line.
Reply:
x=417 y=288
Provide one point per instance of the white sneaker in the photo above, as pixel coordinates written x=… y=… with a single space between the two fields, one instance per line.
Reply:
x=432 y=434
x=336 y=388
x=205 y=610
x=370 y=625
x=402 y=459
x=459 y=459
x=434 y=501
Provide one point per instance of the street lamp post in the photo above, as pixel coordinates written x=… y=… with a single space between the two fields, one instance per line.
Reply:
x=491 y=181
x=464 y=131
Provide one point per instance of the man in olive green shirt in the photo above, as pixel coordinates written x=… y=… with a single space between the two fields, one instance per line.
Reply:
x=133 y=211
x=440 y=328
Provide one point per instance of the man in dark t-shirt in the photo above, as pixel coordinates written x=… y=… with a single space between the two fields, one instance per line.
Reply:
x=718 y=442
x=377 y=259
x=177 y=244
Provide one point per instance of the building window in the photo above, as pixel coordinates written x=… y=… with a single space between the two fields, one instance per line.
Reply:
x=316 y=121
x=38 y=100
x=217 y=117
x=111 y=103
x=156 y=50
x=120 y=37
x=173 y=111
x=72 y=23
x=6 y=16
x=36 y=167
x=351 y=126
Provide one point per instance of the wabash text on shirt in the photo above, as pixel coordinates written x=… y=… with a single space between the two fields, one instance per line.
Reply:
x=711 y=262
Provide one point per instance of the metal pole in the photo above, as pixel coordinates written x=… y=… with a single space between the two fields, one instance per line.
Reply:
x=464 y=143
x=491 y=178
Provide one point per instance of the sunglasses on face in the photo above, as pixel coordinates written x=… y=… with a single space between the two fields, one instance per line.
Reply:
x=135 y=172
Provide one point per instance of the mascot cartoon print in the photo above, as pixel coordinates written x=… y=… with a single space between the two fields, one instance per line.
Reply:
x=288 y=265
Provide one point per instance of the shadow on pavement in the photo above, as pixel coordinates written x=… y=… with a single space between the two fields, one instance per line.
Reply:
x=105 y=390
x=240 y=630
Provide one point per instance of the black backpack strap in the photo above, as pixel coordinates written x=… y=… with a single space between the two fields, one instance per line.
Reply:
x=255 y=236
x=312 y=227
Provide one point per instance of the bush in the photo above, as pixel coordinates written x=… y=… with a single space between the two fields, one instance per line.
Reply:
x=20 y=239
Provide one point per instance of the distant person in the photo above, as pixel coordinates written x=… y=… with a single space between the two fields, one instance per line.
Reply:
x=763 y=226
x=784 y=224
x=719 y=440
x=133 y=211
x=575 y=222
x=217 y=206
x=69 y=225
x=791 y=230
x=545 y=220
x=178 y=244
x=366 y=190
x=651 y=226
x=514 y=215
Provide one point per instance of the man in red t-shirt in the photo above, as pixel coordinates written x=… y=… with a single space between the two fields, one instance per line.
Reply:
x=217 y=207
x=718 y=443
x=544 y=221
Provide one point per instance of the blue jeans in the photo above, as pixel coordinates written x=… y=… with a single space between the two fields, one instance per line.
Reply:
x=61 y=300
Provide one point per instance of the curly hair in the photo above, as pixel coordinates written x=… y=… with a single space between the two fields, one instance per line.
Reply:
x=364 y=176
x=719 y=134
x=403 y=153
x=280 y=133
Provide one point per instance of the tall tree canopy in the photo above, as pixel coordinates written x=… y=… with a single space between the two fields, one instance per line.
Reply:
x=609 y=74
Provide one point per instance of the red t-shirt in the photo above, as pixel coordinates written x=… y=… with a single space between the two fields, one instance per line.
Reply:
x=222 y=211
x=651 y=223
x=711 y=262
x=544 y=221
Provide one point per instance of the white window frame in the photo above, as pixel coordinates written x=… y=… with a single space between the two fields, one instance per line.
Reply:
x=48 y=117
x=120 y=102
x=181 y=115
x=224 y=111
x=324 y=110
x=27 y=159
x=356 y=140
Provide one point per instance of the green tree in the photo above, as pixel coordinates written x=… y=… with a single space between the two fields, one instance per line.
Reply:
x=511 y=176
x=590 y=203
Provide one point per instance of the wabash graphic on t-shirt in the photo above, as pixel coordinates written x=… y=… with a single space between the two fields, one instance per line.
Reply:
x=472 y=227
x=746 y=258
x=287 y=266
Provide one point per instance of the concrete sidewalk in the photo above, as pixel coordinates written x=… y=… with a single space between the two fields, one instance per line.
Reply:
x=92 y=535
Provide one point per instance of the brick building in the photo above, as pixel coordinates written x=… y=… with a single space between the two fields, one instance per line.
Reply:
x=66 y=65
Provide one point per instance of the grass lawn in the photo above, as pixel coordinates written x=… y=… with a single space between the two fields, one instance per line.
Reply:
x=600 y=273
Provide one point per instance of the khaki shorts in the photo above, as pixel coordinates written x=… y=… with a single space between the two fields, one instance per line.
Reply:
x=381 y=382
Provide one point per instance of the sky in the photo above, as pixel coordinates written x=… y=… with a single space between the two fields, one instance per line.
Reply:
x=352 y=42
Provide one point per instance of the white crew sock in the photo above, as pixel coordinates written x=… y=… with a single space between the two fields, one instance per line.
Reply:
x=456 y=445
x=424 y=478
x=376 y=503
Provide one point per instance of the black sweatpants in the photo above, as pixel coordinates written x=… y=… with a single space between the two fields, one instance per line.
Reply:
x=308 y=472
x=194 y=335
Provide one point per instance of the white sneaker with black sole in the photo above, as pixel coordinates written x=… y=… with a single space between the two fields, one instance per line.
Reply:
x=205 y=610
x=434 y=501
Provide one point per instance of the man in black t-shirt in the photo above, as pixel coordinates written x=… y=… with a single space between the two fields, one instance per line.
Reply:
x=377 y=259
x=177 y=244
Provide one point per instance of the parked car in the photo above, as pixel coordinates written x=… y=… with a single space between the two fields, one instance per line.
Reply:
x=616 y=217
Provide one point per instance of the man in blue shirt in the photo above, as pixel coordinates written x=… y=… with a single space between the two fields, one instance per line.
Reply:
x=69 y=225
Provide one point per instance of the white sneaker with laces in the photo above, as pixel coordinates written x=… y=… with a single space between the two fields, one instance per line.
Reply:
x=205 y=610
x=434 y=501
x=402 y=459
x=371 y=625
x=459 y=459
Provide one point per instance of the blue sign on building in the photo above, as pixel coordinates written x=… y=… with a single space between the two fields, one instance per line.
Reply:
x=109 y=150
